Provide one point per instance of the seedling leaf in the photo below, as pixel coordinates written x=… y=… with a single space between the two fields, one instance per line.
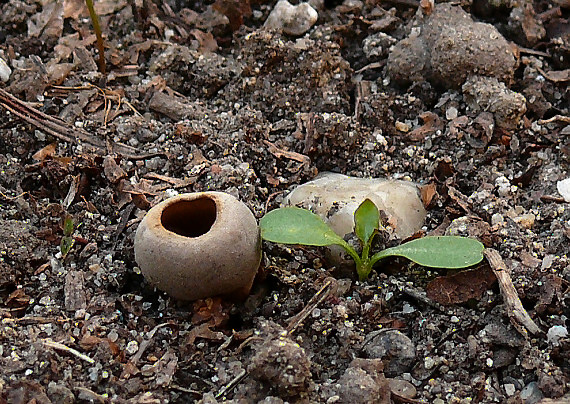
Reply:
x=297 y=226
x=366 y=219
x=68 y=226
x=65 y=245
x=437 y=252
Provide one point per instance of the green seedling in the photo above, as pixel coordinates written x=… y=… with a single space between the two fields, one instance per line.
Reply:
x=97 y=28
x=67 y=241
x=299 y=226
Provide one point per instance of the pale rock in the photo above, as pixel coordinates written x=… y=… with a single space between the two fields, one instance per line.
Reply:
x=564 y=189
x=5 y=71
x=292 y=20
x=335 y=198
x=402 y=388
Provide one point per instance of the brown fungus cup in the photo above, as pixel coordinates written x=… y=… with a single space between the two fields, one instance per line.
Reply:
x=199 y=245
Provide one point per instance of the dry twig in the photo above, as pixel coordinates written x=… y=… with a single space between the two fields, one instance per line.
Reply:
x=142 y=347
x=63 y=131
x=317 y=298
x=518 y=315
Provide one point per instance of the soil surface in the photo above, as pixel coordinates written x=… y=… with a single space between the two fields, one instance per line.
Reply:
x=470 y=100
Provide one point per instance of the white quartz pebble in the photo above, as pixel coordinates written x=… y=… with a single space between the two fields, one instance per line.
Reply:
x=335 y=197
x=292 y=20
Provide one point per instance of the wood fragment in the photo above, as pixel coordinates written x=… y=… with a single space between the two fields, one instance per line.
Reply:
x=517 y=313
x=277 y=152
x=529 y=51
x=198 y=394
x=56 y=345
x=87 y=395
x=561 y=118
x=551 y=198
x=175 y=182
x=31 y=320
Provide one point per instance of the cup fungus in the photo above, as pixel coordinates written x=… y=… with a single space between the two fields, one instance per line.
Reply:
x=199 y=245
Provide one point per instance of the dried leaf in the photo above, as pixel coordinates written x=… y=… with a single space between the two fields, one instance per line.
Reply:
x=206 y=39
x=210 y=309
x=556 y=75
x=431 y=124
x=460 y=287
x=166 y=368
x=26 y=391
x=74 y=9
x=235 y=10
x=112 y=171
x=17 y=298
x=45 y=152
x=48 y=23
x=203 y=331
x=551 y=287
x=427 y=193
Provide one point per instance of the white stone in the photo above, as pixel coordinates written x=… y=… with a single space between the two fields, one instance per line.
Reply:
x=5 y=71
x=555 y=333
x=510 y=389
x=451 y=113
x=335 y=198
x=292 y=20
x=564 y=189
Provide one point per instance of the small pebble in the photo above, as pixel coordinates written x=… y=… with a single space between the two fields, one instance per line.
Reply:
x=402 y=388
x=526 y=221
x=510 y=389
x=292 y=20
x=402 y=127
x=451 y=113
x=563 y=188
x=132 y=347
x=497 y=218
x=396 y=350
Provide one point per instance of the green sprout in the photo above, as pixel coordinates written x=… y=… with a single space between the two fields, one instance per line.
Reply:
x=300 y=226
x=97 y=28
x=67 y=241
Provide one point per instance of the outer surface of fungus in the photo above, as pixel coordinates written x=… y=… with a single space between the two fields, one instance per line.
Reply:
x=198 y=245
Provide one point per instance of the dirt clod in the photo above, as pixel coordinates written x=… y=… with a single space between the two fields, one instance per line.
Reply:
x=447 y=46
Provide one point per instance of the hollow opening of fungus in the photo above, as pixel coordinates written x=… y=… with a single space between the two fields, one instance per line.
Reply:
x=190 y=218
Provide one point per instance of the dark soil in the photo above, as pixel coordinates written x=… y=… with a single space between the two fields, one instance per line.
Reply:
x=197 y=97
